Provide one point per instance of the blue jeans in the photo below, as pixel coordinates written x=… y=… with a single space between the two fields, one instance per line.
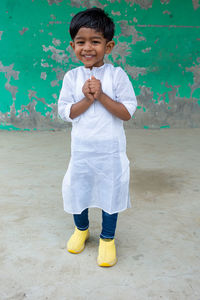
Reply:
x=109 y=223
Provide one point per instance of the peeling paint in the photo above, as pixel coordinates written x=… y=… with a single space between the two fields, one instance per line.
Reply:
x=195 y=70
x=55 y=22
x=9 y=73
x=129 y=30
x=59 y=73
x=196 y=4
x=120 y=51
x=55 y=96
x=135 y=71
x=146 y=50
x=144 y=4
x=24 y=29
x=58 y=55
x=166 y=12
x=43 y=75
x=54 y=83
x=166 y=26
x=86 y=3
x=116 y=13
x=53 y=17
x=56 y=42
x=33 y=94
x=45 y=65
x=155 y=45
x=165 y=1
x=180 y=108
x=75 y=3
x=12 y=89
x=54 y=2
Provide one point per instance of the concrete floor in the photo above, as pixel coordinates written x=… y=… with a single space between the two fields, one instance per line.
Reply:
x=158 y=239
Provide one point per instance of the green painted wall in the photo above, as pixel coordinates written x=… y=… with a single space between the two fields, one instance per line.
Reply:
x=158 y=44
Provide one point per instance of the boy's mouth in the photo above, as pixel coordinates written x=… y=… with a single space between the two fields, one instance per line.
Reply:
x=88 y=56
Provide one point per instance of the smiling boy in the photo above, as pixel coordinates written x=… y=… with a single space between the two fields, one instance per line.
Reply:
x=90 y=47
x=96 y=98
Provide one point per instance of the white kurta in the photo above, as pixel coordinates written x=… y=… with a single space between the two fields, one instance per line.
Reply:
x=98 y=171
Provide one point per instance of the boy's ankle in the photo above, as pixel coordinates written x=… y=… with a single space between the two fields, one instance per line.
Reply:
x=107 y=240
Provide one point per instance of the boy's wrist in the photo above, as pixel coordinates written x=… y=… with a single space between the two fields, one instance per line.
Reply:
x=101 y=96
x=88 y=100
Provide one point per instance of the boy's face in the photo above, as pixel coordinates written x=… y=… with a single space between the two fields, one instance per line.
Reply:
x=90 y=47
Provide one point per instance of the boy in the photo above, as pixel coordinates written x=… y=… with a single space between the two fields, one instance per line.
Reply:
x=96 y=98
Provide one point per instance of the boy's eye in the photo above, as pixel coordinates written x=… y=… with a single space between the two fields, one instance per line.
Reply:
x=80 y=42
x=96 y=42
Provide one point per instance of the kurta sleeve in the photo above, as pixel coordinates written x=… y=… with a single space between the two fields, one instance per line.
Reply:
x=66 y=98
x=124 y=92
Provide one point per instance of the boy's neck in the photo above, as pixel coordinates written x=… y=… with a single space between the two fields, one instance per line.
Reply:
x=94 y=67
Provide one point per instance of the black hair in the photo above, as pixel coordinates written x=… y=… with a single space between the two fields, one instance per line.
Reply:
x=94 y=18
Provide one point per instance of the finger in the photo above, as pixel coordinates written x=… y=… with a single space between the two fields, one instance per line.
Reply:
x=90 y=97
x=87 y=82
x=94 y=85
x=96 y=95
x=93 y=89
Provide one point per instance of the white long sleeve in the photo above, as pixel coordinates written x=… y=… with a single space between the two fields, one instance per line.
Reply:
x=123 y=91
x=66 y=99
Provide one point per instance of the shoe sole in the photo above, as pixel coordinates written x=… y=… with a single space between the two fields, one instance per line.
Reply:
x=74 y=252
x=107 y=264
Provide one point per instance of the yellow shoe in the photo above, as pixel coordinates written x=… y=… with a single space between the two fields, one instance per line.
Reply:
x=107 y=253
x=76 y=243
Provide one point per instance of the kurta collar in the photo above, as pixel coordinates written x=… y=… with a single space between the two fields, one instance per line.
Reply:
x=94 y=68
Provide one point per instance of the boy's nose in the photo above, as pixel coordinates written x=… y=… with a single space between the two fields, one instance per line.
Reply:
x=87 y=46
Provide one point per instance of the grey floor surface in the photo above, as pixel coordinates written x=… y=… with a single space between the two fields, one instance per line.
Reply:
x=158 y=239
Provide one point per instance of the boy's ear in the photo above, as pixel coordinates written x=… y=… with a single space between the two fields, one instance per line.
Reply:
x=109 y=46
x=72 y=44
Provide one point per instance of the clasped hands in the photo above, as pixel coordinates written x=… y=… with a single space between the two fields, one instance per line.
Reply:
x=92 y=89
